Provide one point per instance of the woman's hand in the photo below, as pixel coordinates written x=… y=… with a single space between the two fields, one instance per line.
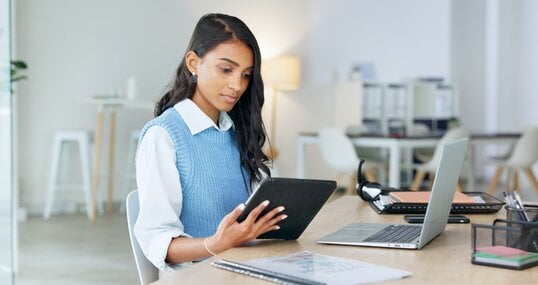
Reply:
x=231 y=233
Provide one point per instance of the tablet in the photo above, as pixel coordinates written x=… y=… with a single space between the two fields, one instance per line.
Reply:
x=302 y=198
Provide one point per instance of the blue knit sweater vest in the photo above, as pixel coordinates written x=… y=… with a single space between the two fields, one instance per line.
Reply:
x=212 y=180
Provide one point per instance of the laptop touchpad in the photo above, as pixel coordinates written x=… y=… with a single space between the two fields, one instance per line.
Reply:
x=358 y=232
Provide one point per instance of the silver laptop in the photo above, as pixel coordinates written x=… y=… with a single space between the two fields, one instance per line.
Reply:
x=409 y=235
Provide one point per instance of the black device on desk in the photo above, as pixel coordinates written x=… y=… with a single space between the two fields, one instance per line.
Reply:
x=452 y=219
x=486 y=204
x=378 y=196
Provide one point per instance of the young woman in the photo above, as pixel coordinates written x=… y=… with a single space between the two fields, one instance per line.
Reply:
x=199 y=156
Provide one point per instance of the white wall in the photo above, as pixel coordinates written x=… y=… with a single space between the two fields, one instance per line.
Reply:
x=468 y=60
x=516 y=57
x=526 y=64
x=405 y=39
x=506 y=100
x=78 y=48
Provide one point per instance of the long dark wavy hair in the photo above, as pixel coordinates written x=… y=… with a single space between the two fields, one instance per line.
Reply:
x=210 y=31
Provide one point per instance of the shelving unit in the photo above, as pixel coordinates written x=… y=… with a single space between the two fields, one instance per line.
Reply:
x=432 y=103
x=394 y=108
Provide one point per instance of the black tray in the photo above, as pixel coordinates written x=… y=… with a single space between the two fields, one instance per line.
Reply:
x=491 y=205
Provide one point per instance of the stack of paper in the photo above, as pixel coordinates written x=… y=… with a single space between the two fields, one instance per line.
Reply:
x=424 y=197
x=506 y=256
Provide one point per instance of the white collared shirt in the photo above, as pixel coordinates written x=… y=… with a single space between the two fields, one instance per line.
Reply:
x=159 y=187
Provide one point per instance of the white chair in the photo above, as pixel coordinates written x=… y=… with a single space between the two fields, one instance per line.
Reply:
x=146 y=271
x=430 y=166
x=523 y=155
x=423 y=154
x=82 y=140
x=129 y=176
x=339 y=153
x=375 y=156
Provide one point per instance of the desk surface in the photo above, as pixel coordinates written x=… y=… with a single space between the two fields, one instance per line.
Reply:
x=427 y=136
x=446 y=260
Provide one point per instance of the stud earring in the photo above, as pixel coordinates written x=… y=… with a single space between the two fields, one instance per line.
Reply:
x=194 y=78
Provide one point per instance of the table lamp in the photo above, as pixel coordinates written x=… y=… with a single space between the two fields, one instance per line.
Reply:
x=280 y=74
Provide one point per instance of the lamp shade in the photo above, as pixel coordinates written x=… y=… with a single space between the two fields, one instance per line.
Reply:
x=282 y=73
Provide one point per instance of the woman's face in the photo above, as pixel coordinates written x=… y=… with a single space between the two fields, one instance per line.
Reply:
x=223 y=75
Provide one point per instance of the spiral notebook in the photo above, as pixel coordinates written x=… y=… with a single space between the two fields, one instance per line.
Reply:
x=311 y=268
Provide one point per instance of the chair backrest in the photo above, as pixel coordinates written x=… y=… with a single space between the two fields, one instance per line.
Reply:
x=451 y=135
x=525 y=151
x=337 y=150
x=146 y=271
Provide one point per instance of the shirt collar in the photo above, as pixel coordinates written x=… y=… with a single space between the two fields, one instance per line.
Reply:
x=197 y=121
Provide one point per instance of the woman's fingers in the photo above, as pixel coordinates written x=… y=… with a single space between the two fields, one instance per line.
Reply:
x=269 y=221
x=233 y=215
x=237 y=211
x=253 y=215
x=270 y=215
x=259 y=222
x=272 y=224
x=254 y=225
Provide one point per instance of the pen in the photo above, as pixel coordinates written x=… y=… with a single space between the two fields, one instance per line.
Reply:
x=507 y=199
x=514 y=206
x=519 y=204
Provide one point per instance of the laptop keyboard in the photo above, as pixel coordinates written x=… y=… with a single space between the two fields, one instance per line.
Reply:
x=396 y=233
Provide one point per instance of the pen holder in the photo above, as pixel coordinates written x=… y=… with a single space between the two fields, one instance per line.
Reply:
x=529 y=213
x=506 y=243
x=527 y=237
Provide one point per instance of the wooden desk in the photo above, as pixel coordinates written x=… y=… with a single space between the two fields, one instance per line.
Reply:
x=445 y=260
x=111 y=104
x=395 y=146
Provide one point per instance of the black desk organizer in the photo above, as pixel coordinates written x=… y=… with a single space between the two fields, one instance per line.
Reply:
x=514 y=232
x=491 y=205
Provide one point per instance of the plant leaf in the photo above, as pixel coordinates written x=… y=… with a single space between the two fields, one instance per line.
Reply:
x=19 y=64
x=13 y=79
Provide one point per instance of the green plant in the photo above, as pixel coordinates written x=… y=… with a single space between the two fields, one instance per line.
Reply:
x=16 y=67
x=453 y=122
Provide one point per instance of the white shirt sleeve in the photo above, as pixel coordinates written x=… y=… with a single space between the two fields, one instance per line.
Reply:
x=160 y=196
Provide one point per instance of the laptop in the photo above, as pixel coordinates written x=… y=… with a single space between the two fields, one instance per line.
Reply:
x=411 y=236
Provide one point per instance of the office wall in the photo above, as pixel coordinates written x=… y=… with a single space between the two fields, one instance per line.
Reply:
x=515 y=56
x=519 y=99
x=404 y=39
x=468 y=59
x=506 y=52
x=526 y=63
x=78 y=48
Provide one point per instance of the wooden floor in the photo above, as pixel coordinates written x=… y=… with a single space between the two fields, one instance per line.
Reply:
x=68 y=249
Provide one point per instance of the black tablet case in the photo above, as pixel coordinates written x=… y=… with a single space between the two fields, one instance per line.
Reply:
x=491 y=205
x=302 y=199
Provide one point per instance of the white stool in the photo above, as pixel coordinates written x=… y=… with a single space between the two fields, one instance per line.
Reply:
x=129 y=175
x=82 y=138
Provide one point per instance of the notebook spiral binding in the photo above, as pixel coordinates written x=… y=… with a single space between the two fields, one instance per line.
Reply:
x=263 y=274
